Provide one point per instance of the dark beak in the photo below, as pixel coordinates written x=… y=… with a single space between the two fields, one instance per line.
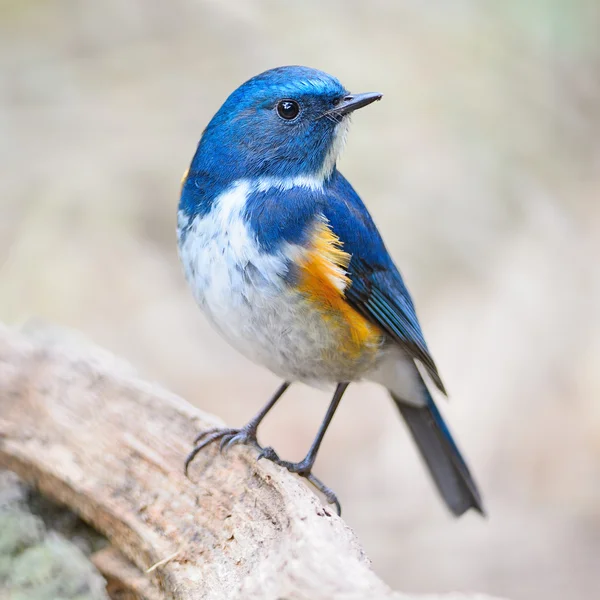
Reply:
x=351 y=102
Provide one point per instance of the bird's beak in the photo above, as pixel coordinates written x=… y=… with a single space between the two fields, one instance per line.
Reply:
x=351 y=102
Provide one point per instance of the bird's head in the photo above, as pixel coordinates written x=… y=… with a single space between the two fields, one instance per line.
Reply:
x=286 y=122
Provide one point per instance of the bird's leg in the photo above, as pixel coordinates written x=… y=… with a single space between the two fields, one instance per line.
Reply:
x=231 y=437
x=304 y=467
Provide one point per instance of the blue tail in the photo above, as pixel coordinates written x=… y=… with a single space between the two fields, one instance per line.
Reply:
x=446 y=464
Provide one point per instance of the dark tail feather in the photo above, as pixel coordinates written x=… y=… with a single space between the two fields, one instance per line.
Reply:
x=446 y=465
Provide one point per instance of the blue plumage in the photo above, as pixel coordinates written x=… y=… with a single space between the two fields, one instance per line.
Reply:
x=287 y=263
x=282 y=216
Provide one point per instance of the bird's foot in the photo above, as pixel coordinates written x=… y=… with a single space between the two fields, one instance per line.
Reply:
x=229 y=437
x=302 y=468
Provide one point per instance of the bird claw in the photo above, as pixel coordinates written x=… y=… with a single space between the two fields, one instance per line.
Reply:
x=270 y=454
x=210 y=432
x=228 y=437
x=300 y=468
x=303 y=469
x=329 y=494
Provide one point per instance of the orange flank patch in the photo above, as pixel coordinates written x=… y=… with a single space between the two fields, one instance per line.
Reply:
x=323 y=280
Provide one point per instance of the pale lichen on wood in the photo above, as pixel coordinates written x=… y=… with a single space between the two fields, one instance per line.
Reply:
x=44 y=549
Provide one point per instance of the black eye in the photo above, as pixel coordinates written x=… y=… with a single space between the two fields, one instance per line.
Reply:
x=288 y=109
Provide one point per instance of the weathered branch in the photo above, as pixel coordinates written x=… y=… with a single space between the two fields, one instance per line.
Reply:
x=80 y=426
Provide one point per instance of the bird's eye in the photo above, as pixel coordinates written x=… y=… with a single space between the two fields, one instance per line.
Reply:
x=288 y=109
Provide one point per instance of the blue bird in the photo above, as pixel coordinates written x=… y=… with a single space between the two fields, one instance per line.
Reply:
x=286 y=262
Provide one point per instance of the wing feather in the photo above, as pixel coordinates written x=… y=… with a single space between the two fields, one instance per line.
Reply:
x=377 y=289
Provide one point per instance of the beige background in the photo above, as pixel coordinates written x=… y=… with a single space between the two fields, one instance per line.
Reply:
x=482 y=168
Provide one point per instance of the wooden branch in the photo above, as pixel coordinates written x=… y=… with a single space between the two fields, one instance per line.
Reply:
x=79 y=425
x=123 y=580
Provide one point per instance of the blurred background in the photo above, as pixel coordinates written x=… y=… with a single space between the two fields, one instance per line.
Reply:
x=482 y=168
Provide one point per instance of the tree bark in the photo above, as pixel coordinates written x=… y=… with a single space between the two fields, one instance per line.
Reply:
x=80 y=426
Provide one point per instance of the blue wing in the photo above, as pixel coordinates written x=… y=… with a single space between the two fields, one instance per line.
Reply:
x=377 y=290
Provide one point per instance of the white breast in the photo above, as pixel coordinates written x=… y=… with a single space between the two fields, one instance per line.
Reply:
x=232 y=280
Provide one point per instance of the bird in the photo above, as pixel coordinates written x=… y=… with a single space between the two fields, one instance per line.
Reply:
x=286 y=262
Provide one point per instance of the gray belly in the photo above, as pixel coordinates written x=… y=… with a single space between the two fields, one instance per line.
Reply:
x=277 y=328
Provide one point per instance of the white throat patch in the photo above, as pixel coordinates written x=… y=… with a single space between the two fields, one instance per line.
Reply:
x=337 y=145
